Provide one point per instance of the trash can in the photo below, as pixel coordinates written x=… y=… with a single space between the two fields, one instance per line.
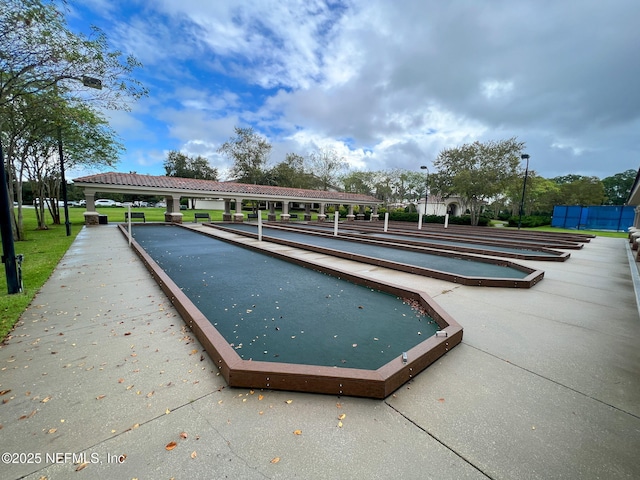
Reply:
x=103 y=219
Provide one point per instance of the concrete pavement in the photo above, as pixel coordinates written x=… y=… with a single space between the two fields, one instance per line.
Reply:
x=101 y=378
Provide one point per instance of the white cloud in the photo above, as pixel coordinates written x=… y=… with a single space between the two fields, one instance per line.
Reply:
x=389 y=84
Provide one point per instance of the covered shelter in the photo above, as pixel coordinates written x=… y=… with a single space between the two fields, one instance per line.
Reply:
x=174 y=188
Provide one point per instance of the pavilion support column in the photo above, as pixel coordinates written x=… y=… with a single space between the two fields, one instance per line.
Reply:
x=350 y=216
x=238 y=216
x=173 y=214
x=284 y=216
x=321 y=215
x=91 y=217
x=374 y=214
x=271 y=216
x=226 y=216
x=307 y=212
x=361 y=210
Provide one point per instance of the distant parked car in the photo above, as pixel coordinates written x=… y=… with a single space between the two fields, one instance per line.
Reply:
x=103 y=202
x=161 y=205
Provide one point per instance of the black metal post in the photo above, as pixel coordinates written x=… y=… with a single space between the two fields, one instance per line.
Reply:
x=67 y=223
x=8 y=250
x=426 y=190
x=524 y=188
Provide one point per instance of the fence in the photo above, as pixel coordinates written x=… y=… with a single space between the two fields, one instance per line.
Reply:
x=609 y=217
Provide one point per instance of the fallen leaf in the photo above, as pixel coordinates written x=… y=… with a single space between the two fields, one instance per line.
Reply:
x=46 y=399
x=167 y=411
x=339 y=424
x=441 y=400
x=171 y=446
x=183 y=435
x=194 y=454
x=52 y=430
x=288 y=401
x=260 y=397
x=275 y=460
x=4 y=392
x=81 y=466
x=342 y=416
x=120 y=380
x=100 y=397
x=297 y=432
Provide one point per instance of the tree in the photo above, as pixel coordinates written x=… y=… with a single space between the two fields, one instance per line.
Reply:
x=327 y=166
x=38 y=52
x=358 y=182
x=477 y=172
x=40 y=58
x=580 y=190
x=291 y=172
x=180 y=165
x=250 y=153
x=618 y=186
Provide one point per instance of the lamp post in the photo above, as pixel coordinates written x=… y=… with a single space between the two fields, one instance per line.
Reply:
x=524 y=156
x=90 y=82
x=8 y=250
x=426 y=188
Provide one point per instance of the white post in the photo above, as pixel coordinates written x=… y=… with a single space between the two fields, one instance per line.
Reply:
x=129 y=218
x=446 y=220
x=259 y=226
x=336 y=216
x=386 y=221
x=419 y=218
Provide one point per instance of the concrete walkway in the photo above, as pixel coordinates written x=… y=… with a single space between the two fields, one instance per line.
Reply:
x=101 y=379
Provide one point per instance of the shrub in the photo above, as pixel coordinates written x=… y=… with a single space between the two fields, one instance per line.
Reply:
x=530 y=221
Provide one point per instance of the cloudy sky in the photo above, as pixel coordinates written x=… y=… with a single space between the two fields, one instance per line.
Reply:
x=386 y=84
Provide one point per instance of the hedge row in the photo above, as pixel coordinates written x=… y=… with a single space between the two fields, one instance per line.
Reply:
x=400 y=216
x=530 y=221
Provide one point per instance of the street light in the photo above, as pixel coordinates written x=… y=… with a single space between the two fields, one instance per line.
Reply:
x=8 y=250
x=524 y=156
x=426 y=188
x=90 y=82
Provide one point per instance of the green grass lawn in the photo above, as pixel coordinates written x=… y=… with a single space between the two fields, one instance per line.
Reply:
x=43 y=249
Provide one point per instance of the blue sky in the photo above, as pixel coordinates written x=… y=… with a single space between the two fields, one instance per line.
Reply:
x=386 y=84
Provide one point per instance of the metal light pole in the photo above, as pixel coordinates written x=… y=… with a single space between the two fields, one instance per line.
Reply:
x=90 y=82
x=426 y=188
x=8 y=250
x=67 y=223
x=524 y=156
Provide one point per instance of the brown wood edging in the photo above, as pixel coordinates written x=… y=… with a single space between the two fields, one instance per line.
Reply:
x=378 y=383
x=533 y=276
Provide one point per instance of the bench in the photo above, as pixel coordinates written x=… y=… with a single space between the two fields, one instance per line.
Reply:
x=139 y=215
x=204 y=216
x=293 y=215
x=252 y=215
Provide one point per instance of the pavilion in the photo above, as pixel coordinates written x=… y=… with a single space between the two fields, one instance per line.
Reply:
x=174 y=188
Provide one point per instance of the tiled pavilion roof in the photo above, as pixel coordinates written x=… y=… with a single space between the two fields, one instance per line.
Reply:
x=156 y=184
